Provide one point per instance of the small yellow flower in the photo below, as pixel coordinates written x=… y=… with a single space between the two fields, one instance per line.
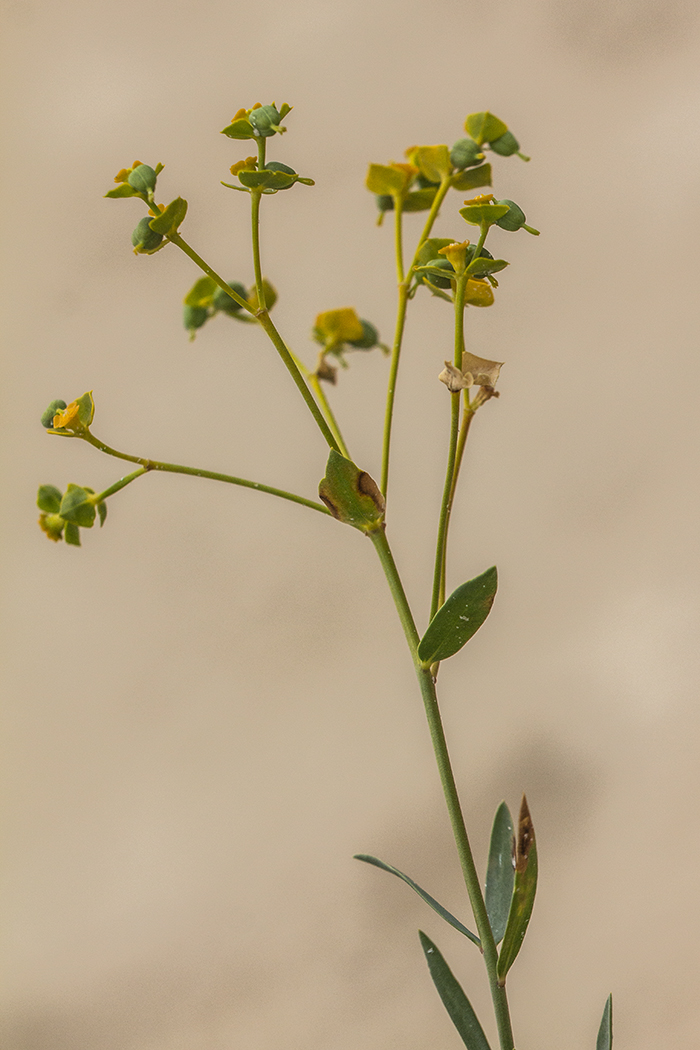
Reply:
x=482 y=198
x=249 y=164
x=52 y=525
x=123 y=175
x=68 y=419
x=456 y=254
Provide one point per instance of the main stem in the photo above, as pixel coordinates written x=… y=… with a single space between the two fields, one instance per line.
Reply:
x=449 y=788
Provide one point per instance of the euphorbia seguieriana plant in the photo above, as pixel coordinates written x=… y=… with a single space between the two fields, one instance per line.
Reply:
x=460 y=270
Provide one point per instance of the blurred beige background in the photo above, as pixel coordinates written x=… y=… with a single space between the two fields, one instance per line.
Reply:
x=208 y=707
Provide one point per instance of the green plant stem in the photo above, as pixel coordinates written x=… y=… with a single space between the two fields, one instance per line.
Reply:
x=255 y=198
x=468 y=414
x=263 y=317
x=283 y=350
x=398 y=237
x=175 y=468
x=192 y=254
x=118 y=485
x=403 y=290
x=324 y=403
x=449 y=787
x=438 y=596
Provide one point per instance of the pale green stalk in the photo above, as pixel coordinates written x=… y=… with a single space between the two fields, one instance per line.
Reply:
x=404 y=286
x=175 y=468
x=448 y=490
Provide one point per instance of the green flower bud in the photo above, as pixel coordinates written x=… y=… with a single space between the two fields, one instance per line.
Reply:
x=144 y=239
x=506 y=145
x=265 y=121
x=465 y=154
x=193 y=317
x=514 y=219
x=223 y=302
x=52 y=525
x=143 y=180
x=370 y=337
x=51 y=411
x=441 y=264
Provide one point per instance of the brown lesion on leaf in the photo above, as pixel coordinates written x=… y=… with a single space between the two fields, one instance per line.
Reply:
x=329 y=503
x=367 y=486
x=525 y=837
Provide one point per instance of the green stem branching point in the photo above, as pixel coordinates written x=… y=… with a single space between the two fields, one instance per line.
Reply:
x=148 y=465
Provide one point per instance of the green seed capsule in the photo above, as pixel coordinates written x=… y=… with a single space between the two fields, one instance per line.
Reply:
x=385 y=202
x=276 y=165
x=506 y=145
x=514 y=218
x=225 y=303
x=193 y=317
x=441 y=264
x=465 y=154
x=370 y=337
x=143 y=179
x=47 y=417
x=265 y=121
x=144 y=239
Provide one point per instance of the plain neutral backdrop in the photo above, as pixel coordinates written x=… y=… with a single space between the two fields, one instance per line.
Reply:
x=209 y=707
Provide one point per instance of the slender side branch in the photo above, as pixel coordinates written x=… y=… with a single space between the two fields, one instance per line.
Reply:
x=404 y=286
x=448 y=490
x=175 y=468
x=449 y=787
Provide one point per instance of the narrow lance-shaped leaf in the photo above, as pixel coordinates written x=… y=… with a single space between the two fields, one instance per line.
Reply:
x=604 y=1041
x=500 y=872
x=442 y=912
x=524 y=888
x=458 y=619
x=455 y=1001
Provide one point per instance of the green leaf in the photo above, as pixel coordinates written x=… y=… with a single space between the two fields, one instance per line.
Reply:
x=483 y=214
x=169 y=219
x=86 y=408
x=239 y=129
x=48 y=499
x=484 y=127
x=420 y=200
x=605 y=1034
x=442 y=912
x=430 y=248
x=500 y=873
x=524 y=888
x=480 y=266
x=102 y=512
x=382 y=179
x=351 y=495
x=433 y=161
x=201 y=293
x=71 y=534
x=455 y=1001
x=458 y=619
x=77 y=507
x=122 y=190
x=471 y=178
